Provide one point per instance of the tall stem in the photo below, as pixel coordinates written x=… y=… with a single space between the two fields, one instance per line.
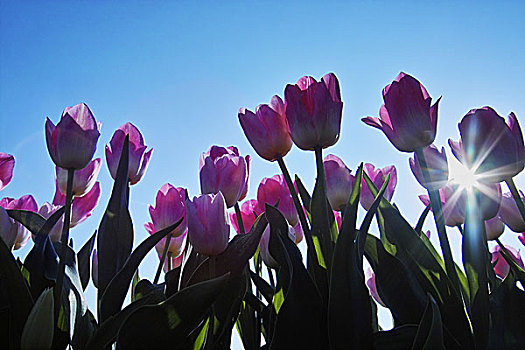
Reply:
x=239 y=218
x=64 y=239
x=516 y=195
x=162 y=259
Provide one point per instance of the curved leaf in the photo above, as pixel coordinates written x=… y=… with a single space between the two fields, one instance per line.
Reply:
x=40 y=325
x=84 y=260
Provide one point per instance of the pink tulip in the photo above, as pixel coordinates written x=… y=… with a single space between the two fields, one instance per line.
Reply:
x=339 y=181
x=338 y=219
x=223 y=169
x=521 y=237
x=275 y=191
x=494 y=228
x=175 y=262
x=267 y=129
x=169 y=208
x=83 y=179
x=249 y=212
x=501 y=267
x=94 y=268
x=489 y=146
x=378 y=177
x=453 y=204
x=176 y=246
x=437 y=168
x=372 y=287
x=73 y=141
x=510 y=214
x=313 y=111
x=15 y=235
x=46 y=210
x=138 y=157
x=208 y=226
x=7 y=164
x=82 y=206
x=406 y=118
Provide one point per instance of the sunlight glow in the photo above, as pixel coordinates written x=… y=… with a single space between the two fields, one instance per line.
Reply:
x=462 y=176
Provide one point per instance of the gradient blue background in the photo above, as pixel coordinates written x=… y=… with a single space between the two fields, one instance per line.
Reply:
x=181 y=70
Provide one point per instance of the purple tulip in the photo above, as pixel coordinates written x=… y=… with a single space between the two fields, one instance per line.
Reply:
x=82 y=206
x=494 y=228
x=521 y=237
x=265 y=250
x=94 y=268
x=489 y=146
x=83 y=179
x=138 y=157
x=338 y=219
x=249 y=212
x=501 y=267
x=453 y=204
x=313 y=111
x=510 y=214
x=378 y=177
x=406 y=118
x=437 y=168
x=169 y=208
x=372 y=287
x=73 y=141
x=15 y=235
x=274 y=190
x=46 y=210
x=7 y=164
x=267 y=129
x=339 y=181
x=208 y=227
x=223 y=169
x=489 y=200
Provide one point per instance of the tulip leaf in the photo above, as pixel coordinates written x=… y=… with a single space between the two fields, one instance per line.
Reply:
x=266 y=290
x=171 y=321
x=42 y=264
x=39 y=327
x=115 y=293
x=303 y=192
x=84 y=260
x=246 y=327
x=400 y=337
x=421 y=220
x=35 y=222
x=430 y=331
x=145 y=287
x=85 y=329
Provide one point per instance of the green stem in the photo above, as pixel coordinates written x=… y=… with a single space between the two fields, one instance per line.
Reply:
x=516 y=195
x=64 y=241
x=162 y=259
x=321 y=181
x=239 y=218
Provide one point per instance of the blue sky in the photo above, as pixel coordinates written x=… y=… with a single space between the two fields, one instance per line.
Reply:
x=180 y=70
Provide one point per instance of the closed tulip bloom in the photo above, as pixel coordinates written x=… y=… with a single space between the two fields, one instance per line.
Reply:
x=406 y=117
x=313 y=111
x=17 y=235
x=138 y=157
x=501 y=267
x=7 y=164
x=267 y=129
x=176 y=247
x=223 y=169
x=494 y=228
x=83 y=179
x=82 y=207
x=510 y=214
x=244 y=191
x=437 y=168
x=339 y=181
x=73 y=141
x=275 y=191
x=175 y=262
x=489 y=146
x=208 y=226
x=46 y=210
x=378 y=177
x=169 y=208
x=453 y=204
x=489 y=200
x=249 y=212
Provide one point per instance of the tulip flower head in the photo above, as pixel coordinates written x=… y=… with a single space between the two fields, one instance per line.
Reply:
x=521 y=237
x=223 y=169
x=169 y=208
x=175 y=248
x=372 y=286
x=437 y=168
x=510 y=214
x=267 y=129
x=489 y=200
x=274 y=191
x=81 y=208
x=7 y=164
x=13 y=233
x=265 y=250
x=249 y=212
x=494 y=228
x=339 y=181
x=46 y=210
x=313 y=111
x=453 y=204
x=83 y=179
x=138 y=157
x=73 y=141
x=378 y=177
x=406 y=117
x=501 y=267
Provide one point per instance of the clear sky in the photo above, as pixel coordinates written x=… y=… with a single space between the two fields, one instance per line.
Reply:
x=180 y=70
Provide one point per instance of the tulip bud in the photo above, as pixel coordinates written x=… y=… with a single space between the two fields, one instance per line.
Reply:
x=223 y=169
x=378 y=177
x=339 y=182
x=17 y=235
x=406 y=118
x=267 y=129
x=313 y=111
x=7 y=163
x=208 y=227
x=501 y=267
x=510 y=214
x=94 y=268
x=437 y=168
x=73 y=141
x=169 y=208
x=453 y=204
x=494 y=228
x=138 y=157
x=274 y=191
x=249 y=212
x=83 y=179
x=372 y=287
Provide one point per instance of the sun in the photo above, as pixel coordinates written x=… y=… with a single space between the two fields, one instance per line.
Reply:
x=462 y=176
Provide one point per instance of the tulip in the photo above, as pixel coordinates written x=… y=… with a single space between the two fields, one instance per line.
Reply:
x=176 y=246
x=83 y=180
x=249 y=212
x=138 y=157
x=7 y=163
x=489 y=200
x=94 y=268
x=339 y=182
x=406 y=117
x=338 y=219
x=73 y=141
x=267 y=129
x=223 y=169
x=274 y=191
x=208 y=226
x=378 y=177
x=491 y=147
x=521 y=237
x=244 y=191
x=437 y=168
x=82 y=206
x=46 y=210
x=501 y=267
x=265 y=250
x=453 y=204
x=372 y=287
x=313 y=111
x=15 y=235
x=175 y=262
x=169 y=208
x=509 y=213
x=494 y=228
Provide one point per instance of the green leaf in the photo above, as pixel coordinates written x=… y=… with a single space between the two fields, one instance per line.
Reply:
x=41 y=264
x=84 y=330
x=84 y=260
x=303 y=193
x=430 y=331
x=421 y=221
x=263 y=287
x=39 y=327
x=398 y=338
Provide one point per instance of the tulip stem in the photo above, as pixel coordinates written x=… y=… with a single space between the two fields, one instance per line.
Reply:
x=239 y=218
x=437 y=210
x=64 y=241
x=162 y=259
x=516 y=195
